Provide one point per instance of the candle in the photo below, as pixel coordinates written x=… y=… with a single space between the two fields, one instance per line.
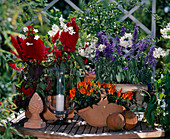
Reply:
x=60 y=102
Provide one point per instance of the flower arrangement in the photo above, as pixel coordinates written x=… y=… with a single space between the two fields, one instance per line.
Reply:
x=35 y=57
x=31 y=53
x=85 y=94
x=89 y=93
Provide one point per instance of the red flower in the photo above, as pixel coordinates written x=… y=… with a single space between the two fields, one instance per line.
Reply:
x=28 y=91
x=69 y=41
x=119 y=94
x=85 y=61
x=55 y=37
x=57 y=54
x=30 y=49
x=13 y=66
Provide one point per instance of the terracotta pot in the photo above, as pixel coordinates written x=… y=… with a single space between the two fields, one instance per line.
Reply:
x=89 y=77
x=130 y=119
x=97 y=115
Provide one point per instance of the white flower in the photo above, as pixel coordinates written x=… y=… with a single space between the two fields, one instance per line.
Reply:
x=101 y=47
x=126 y=40
x=71 y=30
x=86 y=43
x=81 y=52
x=165 y=31
x=9 y=19
x=35 y=30
x=36 y=37
x=22 y=36
x=160 y=52
x=61 y=19
x=55 y=28
x=88 y=36
x=63 y=25
x=25 y=29
x=51 y=33
x=29 y=43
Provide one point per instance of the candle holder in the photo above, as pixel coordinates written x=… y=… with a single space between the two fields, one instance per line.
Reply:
x=57 y=91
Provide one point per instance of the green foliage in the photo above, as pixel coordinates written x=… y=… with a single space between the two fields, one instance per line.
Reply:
x=7 y=108
x=157 y=105
x=98 y=16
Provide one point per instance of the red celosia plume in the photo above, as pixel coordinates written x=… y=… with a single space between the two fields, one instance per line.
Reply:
x=69 y=41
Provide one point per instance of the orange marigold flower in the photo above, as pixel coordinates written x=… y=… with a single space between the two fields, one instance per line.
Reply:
x=88 y=93
x=124 y=95
x=72 y=93
x=111 y=90
x=130 y=95
x=99 y=86
x=83 y=90
x=103 y=85
x=119 y=94
x=109 y=85
x=91 y=90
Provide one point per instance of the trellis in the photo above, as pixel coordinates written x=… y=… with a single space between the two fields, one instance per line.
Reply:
x=127 y=14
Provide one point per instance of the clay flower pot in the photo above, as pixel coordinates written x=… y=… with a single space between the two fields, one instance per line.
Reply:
x=89 y=77
x=97 y=115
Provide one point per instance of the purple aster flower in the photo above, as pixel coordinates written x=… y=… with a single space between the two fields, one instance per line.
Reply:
x=139 y=71
x=123 y=30
x=92 y=71
x=125 y=68
x=149 y=59
x=135 y=34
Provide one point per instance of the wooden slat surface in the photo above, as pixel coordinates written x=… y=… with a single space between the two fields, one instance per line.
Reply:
x=81 y=130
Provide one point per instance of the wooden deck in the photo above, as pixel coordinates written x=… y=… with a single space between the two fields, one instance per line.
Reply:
x=79 y=129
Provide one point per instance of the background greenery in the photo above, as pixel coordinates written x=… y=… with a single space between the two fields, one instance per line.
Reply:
x=15 y=13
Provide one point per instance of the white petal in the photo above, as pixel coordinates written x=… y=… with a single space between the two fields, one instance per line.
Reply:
x=35 y=30
x=25 y=29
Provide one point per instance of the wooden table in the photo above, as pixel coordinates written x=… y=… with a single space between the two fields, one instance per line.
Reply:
x=79 y=129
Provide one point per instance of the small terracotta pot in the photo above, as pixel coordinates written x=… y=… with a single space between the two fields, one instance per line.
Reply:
x=89 y=77
x=97 y=115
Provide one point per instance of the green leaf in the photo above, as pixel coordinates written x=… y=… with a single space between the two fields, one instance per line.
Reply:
x=161 y=95
x=79 y=61
x=13 y=74
x=16 y=131
x=118 y=78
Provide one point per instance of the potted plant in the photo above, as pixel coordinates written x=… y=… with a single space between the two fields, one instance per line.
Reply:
x=91 y=103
